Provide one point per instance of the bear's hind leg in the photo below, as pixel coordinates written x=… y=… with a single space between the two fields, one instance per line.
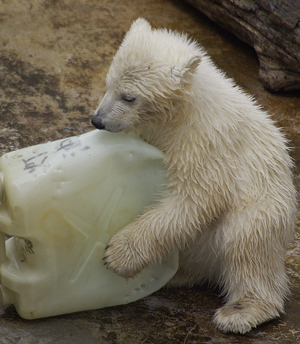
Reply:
x=253 y=269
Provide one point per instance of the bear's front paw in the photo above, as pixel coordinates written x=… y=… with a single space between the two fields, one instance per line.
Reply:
x=122 y=255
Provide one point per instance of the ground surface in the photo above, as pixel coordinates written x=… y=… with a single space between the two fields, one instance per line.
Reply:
x=54 y=57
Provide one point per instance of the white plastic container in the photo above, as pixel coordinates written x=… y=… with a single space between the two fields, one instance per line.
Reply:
x=61 y=202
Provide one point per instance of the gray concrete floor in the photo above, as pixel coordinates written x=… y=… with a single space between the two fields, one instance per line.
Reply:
x=54 y=57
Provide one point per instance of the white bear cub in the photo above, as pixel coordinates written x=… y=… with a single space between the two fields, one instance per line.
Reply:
x=231 y=204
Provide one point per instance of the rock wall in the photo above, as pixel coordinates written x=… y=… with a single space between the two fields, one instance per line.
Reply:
x=272 y=27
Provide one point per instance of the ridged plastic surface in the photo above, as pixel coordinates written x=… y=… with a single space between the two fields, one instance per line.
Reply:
x=61 y=202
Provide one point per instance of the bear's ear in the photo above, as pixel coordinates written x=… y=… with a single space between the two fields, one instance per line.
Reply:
x=140 y=24
x=183 y=75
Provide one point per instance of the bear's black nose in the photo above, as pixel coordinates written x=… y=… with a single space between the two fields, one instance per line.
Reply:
x=97 y=123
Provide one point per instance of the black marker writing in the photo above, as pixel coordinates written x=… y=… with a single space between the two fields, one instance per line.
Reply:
x=69 y=144
x=31 y=164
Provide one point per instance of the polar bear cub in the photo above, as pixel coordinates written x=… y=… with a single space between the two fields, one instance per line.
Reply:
x=230 y=206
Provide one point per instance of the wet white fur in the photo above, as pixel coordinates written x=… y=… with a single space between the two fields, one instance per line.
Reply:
x=230 y=205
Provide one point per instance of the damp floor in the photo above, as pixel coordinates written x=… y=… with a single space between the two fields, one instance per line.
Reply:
x=54 y=56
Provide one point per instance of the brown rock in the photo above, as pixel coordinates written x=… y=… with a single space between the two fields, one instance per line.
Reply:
x=272 y=27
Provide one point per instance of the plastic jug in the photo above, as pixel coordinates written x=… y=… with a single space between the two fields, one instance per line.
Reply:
x=61 y=202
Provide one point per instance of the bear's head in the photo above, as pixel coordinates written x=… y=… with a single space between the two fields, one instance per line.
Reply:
x=148 y=76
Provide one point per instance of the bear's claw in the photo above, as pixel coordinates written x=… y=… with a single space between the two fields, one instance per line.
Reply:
x=122 y=257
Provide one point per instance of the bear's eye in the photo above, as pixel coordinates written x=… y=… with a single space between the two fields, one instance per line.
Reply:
x=128 y=98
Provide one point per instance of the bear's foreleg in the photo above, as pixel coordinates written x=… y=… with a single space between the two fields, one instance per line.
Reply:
x=172 y=223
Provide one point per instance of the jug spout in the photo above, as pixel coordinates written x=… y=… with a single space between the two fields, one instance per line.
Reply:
x=2 y=248
x=6 y=296
x=2 y=194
